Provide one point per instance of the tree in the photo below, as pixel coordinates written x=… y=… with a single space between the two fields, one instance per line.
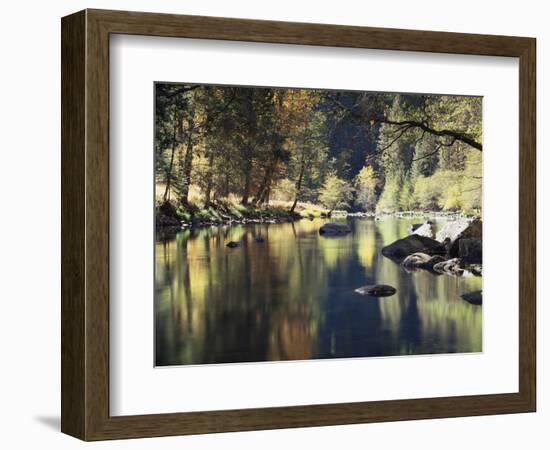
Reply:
x=365 y=188
x=389 y=199
x=449 y=118
x=304 y=128
x=256 y=144
x=179 y=115
x=428 y=192
x=407 y=198
x=472 y=183
x=272 y=154
x=452 y=199
x=335 y=193
x=170 y=106
x=285 y=190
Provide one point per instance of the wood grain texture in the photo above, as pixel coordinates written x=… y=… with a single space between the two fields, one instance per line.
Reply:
x=73 y=109
x=151 y=24
x=527 y=224
x=85 y=224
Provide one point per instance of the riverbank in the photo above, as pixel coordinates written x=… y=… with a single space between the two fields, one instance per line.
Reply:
x=435 y=215
x=168 y=216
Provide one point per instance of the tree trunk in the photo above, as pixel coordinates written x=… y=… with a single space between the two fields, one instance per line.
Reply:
x=247 y=181
x=261 y=190
x=225 y=192
x=209 y=180
x=166 y=195
x=186 y=168
x=266 y=182
x=298 y=185
x=267 y=192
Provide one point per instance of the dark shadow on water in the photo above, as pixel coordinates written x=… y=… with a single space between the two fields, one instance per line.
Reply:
x=51 y=422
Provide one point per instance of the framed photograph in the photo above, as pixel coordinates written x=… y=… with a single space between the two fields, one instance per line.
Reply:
x=271 y=224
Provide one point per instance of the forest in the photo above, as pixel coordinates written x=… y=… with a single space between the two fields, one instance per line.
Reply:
x=225 y=152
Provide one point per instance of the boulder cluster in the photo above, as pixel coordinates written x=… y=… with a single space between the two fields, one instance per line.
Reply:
x=454 y=250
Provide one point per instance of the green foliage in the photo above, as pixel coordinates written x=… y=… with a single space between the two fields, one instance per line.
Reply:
x=285 y=190
x=426 y=160
x=312 y=211
x=472 y=184
x=407 y=199
x=183 y=214
x=389 y=199
x=424 y=170
x=365 y=188
x=427 y=191
x=452 y=199
x=447 y=190
x=217 y=146
x=335 y=193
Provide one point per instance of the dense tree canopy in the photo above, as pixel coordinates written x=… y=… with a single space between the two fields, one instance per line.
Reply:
x=342 y=150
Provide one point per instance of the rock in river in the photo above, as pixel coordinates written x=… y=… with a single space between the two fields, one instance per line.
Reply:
x=233 y=244
x=476 y=269
x=421 y=261
x=459 y=229
x=470 y=250
x=414 y=243
x=422 y=229
x=376 y=290
x=449 y=267
x=334 y=229
x=475 y=298
x=259 y=239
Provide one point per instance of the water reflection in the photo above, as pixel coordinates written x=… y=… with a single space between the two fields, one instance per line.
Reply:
x=292 y=297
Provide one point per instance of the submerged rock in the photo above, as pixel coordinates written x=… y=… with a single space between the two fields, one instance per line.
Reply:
x=421 y=261
x=475 y=298
x=449 y=267
x=415 y=260
x=232 y=244
x=414 y=243
x=334 y=229
x=376 y=290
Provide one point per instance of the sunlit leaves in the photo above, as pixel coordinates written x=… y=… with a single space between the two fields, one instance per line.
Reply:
x=365 y=188
x=335 y=193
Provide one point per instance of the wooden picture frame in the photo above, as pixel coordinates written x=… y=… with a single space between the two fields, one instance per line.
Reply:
x=85 y=224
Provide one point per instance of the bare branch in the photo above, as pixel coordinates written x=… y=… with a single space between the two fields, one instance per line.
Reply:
x=441 y=144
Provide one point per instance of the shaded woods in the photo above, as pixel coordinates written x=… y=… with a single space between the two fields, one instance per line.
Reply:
x=227 y=153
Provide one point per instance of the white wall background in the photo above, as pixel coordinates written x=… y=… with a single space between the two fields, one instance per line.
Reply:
x=30 y=229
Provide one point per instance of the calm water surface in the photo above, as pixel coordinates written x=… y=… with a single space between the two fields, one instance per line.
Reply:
x=293 y=297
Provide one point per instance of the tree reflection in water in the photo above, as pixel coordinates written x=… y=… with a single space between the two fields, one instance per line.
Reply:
x=292 y=297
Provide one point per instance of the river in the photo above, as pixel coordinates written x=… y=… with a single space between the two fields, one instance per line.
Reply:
x=292 y=297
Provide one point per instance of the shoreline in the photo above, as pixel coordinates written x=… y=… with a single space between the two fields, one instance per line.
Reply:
x=273 y=217
x=167 y=217
x=277 y=215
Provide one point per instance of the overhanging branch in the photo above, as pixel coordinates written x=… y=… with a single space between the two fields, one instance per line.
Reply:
x=408 y=125
x=440 y=133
